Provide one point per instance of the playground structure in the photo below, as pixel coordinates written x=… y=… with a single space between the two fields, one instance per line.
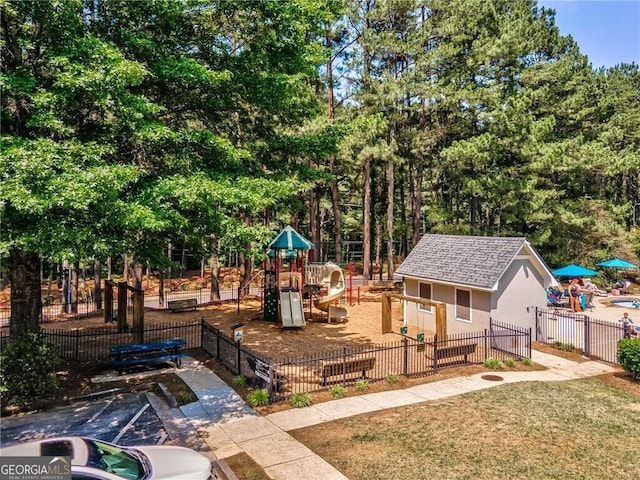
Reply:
x=322 y=284
x=283 y=290
x=327 y=278
x=440 y=315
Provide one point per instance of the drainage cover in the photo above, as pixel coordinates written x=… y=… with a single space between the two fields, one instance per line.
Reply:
x=492 y=378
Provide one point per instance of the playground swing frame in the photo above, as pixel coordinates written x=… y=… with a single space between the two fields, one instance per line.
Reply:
x=440 y=310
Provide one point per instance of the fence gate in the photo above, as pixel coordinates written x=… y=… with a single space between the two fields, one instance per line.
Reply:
x=510 y=339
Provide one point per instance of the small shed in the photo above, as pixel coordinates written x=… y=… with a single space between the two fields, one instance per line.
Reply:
x=478 y=278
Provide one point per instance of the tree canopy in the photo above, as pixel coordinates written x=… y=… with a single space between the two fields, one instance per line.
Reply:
x=128 y=126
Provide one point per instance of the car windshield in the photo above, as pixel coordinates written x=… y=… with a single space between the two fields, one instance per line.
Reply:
x=114 y=459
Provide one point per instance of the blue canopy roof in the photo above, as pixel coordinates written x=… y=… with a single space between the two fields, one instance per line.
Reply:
x=289 y=239
x=574 y=271
x=616 y=263
x=283 y=253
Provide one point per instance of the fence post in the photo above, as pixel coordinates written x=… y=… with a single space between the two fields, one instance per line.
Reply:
x=77 y=348
x=217 y=330
x=344 y=366
x=529 y=348
x=486 y=346
x=435 y=353
x=586 y=350
x=201 y=332
x=405 y=360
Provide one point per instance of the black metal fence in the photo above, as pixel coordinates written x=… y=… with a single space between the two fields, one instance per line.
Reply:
x=596 y=339
x=407 y=357
x=93 y=345
x=53 y=310
x=310 y=373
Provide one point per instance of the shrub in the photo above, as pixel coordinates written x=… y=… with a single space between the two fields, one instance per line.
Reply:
x=258 y=398
x=337 y=391
x=362 y=385
x=392 y=378
x=187 y=396
x=240 y=381
x=510 y=363
x=299 y=400
x=493 y=364
x=565 y=347
x=527 y=362
x=28 y=371
x=629 y=355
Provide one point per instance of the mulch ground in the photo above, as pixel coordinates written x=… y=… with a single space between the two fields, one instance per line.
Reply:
x=362 y=327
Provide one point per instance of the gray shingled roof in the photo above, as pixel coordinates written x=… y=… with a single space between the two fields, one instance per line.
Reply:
x=465 y=260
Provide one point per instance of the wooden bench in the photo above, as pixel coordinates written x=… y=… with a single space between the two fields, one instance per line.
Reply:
x=183 y=305
x=452 y=351
x=137 y=354
x=341 y=367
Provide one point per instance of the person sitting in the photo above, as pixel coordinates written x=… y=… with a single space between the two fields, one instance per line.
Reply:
x=590 y=289
x=554 y=297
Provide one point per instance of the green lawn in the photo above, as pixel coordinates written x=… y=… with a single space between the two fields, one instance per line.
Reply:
x=583 y=429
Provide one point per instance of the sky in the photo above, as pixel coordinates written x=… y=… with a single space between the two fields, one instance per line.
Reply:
x=607 y=31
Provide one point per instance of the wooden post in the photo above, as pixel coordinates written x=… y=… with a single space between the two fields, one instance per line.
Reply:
x=441 y=312
x=441 y=321
x=108 y=300
x=138 y=315
x=386 y=313
x=122 y=307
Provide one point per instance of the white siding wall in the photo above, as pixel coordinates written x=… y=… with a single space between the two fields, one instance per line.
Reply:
x=520 y=290
x=480 y=308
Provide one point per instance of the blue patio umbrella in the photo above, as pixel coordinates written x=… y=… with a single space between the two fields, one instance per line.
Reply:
x=574 y=271
x=616 y=263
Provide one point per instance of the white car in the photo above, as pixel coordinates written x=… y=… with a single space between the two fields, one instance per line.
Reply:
x=97 y=460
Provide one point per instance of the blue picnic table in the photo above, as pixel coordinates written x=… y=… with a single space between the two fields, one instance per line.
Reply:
x=159 y=351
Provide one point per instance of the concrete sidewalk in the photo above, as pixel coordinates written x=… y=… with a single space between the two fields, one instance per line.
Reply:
x=229 y=426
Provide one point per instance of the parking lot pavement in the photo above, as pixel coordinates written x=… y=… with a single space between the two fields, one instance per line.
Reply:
x=127 y=419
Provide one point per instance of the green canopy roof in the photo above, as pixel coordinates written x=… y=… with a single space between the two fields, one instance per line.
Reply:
x=289 y=239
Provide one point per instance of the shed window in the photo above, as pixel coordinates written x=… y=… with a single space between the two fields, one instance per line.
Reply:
x=463 y=305
x=425 y=292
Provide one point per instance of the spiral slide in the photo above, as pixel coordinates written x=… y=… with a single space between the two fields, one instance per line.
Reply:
x=333 y=280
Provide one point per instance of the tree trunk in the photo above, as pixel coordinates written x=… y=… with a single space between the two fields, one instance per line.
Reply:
x=26 y=301
x=404 y=241
x=378 y=254
x=137 y=275
x=170 y=255
x=125 y=268
x=161 y=287
x=337 y=216
x=314 y=220
x=74 y=272
x=66 y=287
x=417 y=201
x=390 y=190
x=97 y=284
x=215 y=284
x=366 y=222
